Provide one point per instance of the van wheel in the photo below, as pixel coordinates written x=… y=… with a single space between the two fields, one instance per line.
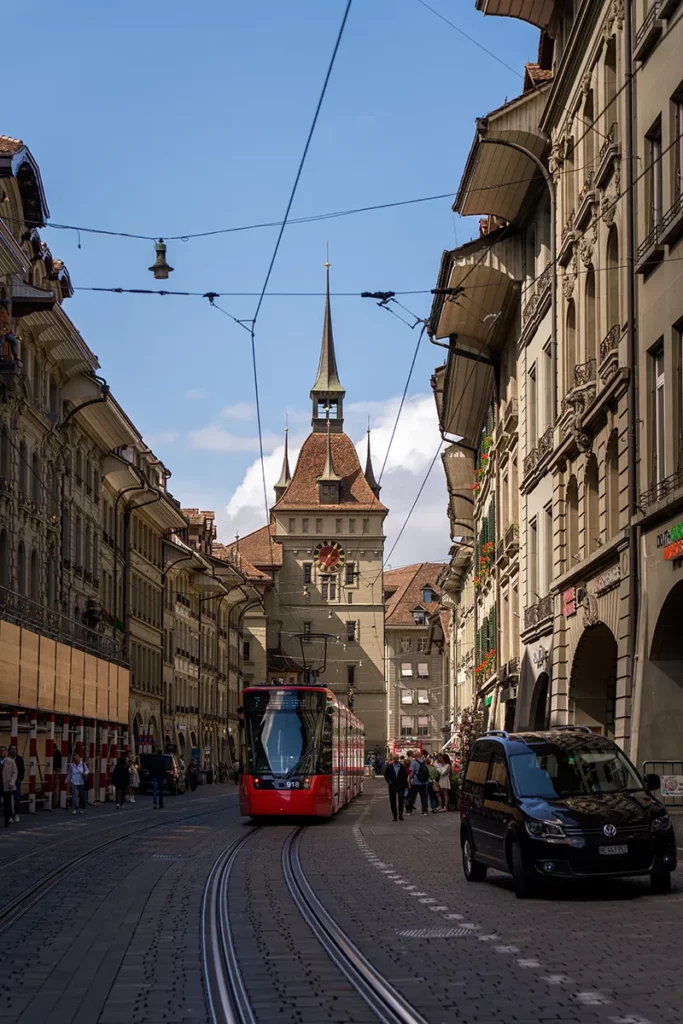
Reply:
x=525 y=883
x=474 y=870
x=660 y=881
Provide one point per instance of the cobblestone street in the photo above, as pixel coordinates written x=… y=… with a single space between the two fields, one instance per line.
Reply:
x=117 y=931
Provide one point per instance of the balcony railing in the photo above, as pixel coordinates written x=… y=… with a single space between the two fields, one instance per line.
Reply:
x=610 y=343
x=512 y=539
x=672 y=221
x=610 y=140
x=588 y=186
x=650 y=241
x=649 y=32
x=543 y=446
x=540 y=294
x=39 y=619
x=584 y=373
x=537 y=613
x=662 y=489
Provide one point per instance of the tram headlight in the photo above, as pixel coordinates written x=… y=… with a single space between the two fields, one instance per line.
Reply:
x=257 y=782
x=306 y=783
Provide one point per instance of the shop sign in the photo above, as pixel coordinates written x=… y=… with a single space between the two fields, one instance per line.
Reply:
x=672 y=542
x=488 y=701
x=569 y=602
x=672 y=785
x=607 y=579
x=540 y=655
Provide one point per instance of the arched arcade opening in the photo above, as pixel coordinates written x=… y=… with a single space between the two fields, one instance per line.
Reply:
x=593 y=682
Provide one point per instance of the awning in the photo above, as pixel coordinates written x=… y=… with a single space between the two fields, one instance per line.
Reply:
x=536 y=12
x=207 y=583
x=458 y=466
x=26 y=298
x=498 y=177
x=472 y=314
x=467 y=388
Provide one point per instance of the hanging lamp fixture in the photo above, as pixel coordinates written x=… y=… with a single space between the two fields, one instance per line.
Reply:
x=160 y=267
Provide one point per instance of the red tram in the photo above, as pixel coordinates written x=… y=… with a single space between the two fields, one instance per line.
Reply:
x=302 y=752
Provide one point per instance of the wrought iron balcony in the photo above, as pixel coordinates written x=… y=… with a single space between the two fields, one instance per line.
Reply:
x=662 y=489
x=649 y=32
x=610 y=343
x=608 y=151
x=541 y=292
x=672 y=221
x=534 y=614
x=545 y=443
x=39 y=619
x=512 y=539
x=584 y=373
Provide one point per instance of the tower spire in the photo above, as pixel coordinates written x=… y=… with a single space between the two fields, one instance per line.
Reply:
x=329 y=482
x=327 y=393
x=285 y=476
x=369 y=472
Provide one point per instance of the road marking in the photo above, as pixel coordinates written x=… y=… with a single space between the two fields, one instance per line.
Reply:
x=558 y=979
x=633 y=1019
x=591 y=998
x=529 y=963
x=487 y=938
x=506 y=949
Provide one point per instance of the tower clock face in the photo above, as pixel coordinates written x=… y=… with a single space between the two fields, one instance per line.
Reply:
x=329 y=556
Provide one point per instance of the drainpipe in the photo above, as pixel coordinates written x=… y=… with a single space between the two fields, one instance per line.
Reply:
x=547 y=177
x=632 y=347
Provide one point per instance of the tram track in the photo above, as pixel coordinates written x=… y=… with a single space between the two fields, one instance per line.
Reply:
x=226 y=984
x=11 y=912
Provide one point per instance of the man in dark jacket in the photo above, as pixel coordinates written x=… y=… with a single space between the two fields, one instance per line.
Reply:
x=157 y=771
x=397 y=779
x=21 y=770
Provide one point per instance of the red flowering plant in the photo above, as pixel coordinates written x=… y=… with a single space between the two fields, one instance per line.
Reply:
x=487 y=666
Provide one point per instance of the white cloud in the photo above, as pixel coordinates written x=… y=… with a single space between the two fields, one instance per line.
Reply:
x=426 y=537
x=242 y=411
x=215 y=439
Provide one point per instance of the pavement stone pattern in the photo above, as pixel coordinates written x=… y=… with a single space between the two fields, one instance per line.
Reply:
x=591 y=953
x=288 y=975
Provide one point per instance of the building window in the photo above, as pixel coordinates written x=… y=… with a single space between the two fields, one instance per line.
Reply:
x=531 y=408
x=246 y=650
x=612 y=473
x=366 y=526
x=420 y=617
x=318 y=526
x=350 y=573
x=406 y=670
x=547 y=548
x=292 y=526
x=423 y=726
x=352 y=525
x=328 y=588
x=308 y=572
x=351 y=631
x=307 y=631
x=591 y=326
x=613 y=302
x=658 y=416
x=423 y=670
x=421 y=644
x=570 y=346
x=406 y=726
x=304 y=525
x=423 y=696
x=338 y=525
x=593 y=539
x=406 y=644
x=548 y=385
x=428 y=595
x=350 y=675
x=406 y=696
x=678 y=145
x=572 y=524
x=653 y=176
x=532 y=562
x=349 y=597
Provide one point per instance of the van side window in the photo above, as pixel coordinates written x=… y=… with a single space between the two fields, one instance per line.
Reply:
x=498 y=771
x=477 y=767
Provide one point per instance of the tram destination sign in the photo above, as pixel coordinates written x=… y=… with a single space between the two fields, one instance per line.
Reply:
x=671 y=541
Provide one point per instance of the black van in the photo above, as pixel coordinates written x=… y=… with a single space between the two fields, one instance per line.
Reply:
x=561 y=804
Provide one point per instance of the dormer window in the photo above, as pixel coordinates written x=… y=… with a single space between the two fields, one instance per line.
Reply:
x=428 y=595
x=419 y=617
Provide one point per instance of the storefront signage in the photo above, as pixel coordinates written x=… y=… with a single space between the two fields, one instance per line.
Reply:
x=672 y=542
x=569 y=602
x=539 y=656
x=488 y=701
x=609 y=578
x=672 y=785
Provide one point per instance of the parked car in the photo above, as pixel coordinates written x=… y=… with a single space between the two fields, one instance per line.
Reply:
x=175 y=776
x=566 y=804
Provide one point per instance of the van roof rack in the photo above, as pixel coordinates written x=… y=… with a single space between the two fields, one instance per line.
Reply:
x=572 y=728
x=497 y=732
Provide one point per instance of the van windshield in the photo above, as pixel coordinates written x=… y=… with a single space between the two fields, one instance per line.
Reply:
x=551 y=772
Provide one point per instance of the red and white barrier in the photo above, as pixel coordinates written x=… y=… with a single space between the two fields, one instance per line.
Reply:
x=49 y=761
x=92 y=741
x=65 y=758
x=14 y=730
x=104 y=737
x=33 y=763
x=126 y=741
x=78 y=749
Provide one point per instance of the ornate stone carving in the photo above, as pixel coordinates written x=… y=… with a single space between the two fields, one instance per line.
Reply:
x=570 y=275
x=587 y=243
x=591 y=616
x=584 y=442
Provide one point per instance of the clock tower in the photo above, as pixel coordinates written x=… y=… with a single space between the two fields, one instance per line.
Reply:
x=327 y=528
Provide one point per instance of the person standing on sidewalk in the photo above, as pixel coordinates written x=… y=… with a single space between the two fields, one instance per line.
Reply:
x=396 y=778
x=443 y=767
x=134 y=780
x=77 y=774
x=120 y=778
x=8 y=781
x=237 y=768
x=157 y=771
x=21 y=770
x=419 y=777
x=433 y=785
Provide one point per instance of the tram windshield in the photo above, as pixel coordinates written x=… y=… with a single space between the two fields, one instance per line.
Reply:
x=287 y=732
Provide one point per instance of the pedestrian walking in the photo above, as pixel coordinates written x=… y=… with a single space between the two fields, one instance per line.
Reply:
x=192 y=775
x=419 y=777
x=8 y=781
x=120 y=778
x=237 y=769
x=396 y=778
x=21 y=770
x=134 y=780
x=77 y=774
x=443 y=767
x=157 y=771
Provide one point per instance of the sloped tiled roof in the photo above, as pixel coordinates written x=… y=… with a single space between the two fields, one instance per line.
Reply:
x=260 y=548
x=10 y=145
x=407 y=585
x=303 y=491
x=253 y=574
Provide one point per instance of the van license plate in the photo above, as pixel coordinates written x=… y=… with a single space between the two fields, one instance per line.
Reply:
x=614 y=851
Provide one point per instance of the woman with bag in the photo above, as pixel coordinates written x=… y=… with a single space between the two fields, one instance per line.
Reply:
x=444 y=771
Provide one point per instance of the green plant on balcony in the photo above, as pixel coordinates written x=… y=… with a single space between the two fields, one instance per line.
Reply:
x=487 y=666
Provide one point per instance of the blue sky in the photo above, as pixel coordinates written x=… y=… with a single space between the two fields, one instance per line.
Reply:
x=171 y=118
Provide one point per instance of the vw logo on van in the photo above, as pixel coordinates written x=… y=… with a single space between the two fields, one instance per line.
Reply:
x=609 y=830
